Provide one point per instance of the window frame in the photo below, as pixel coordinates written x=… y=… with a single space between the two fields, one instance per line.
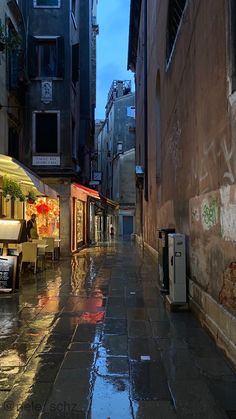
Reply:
x=36 y=6
x=34 y=114
x=44 y=38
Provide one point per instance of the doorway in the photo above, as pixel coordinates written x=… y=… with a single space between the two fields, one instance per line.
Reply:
x=127 y=225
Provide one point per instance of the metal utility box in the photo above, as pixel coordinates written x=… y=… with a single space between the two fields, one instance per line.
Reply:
x=177 y=268
x=163 y=257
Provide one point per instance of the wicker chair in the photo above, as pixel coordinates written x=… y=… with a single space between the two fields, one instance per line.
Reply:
x=29 y=254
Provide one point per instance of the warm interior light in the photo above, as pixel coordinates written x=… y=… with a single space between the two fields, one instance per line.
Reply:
x=9 y=222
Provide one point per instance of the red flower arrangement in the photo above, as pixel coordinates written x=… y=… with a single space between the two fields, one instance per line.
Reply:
x=43 y=230
x=42 y=208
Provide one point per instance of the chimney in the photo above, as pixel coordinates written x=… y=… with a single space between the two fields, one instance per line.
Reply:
x=119 y=88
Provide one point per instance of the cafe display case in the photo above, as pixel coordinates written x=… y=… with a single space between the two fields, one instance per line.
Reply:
x=14 y=232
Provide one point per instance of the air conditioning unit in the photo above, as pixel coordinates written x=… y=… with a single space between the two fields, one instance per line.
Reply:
x=177 y=268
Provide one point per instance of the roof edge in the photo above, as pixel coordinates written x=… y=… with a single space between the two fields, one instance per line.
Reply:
x=134 y=21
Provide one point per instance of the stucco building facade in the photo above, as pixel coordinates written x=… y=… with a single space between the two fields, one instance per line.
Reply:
x=60 y=99
x=13 y=79
x=183 y=54
x=115 y=143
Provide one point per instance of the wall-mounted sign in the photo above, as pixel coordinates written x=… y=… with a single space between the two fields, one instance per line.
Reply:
x=46 y=91
x=46 y=161
x=97 y=175
x=139 y=170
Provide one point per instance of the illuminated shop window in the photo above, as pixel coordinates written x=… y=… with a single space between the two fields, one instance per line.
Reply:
x=47 y=211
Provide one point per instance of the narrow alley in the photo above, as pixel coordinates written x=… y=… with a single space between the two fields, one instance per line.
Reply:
x=93 y=339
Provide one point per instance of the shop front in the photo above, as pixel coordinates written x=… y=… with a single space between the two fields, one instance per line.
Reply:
x=23 y=193
x=90 y=216
x=82 y=215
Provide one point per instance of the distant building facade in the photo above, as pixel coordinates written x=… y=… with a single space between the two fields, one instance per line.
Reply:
x=115 y=153
x=186 y=130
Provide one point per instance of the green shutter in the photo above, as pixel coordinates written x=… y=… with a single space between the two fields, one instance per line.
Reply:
x=32 y=58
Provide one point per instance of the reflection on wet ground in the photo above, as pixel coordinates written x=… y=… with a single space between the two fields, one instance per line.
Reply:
x=91 y=338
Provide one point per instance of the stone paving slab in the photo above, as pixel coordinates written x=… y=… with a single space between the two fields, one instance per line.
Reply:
x=111 y=398
x=160 y=409
x=149 y=381
x=113 y=345
x=80 y=359
x=112 y=366
x=143 y=347
x=194 y=399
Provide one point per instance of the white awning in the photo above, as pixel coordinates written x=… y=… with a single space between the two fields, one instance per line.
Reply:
x=29 y=180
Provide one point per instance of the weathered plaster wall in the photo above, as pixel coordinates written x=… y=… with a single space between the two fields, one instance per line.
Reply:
x=212 y=219
x=196 y=189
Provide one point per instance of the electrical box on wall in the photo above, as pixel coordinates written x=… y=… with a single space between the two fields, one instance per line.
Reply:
x=177 y=268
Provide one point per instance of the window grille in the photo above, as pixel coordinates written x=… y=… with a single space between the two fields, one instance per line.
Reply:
x=175 y=12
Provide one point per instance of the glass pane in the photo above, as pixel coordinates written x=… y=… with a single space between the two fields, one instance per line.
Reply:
x=47 y=2
x=46 y=133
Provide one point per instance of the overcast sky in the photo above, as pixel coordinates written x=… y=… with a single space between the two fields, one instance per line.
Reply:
x=112 y=48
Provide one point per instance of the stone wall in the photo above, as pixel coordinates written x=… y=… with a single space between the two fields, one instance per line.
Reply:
x=195 y=192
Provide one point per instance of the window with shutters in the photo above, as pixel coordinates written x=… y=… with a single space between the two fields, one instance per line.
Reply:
x=46 y=132
x=13 y=142
x=46 y=57
x=47 y=3
x=175 y=13
x=15 y=63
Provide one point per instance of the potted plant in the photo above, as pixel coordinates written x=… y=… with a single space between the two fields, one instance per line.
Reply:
x=31 y=197
x=12 y=189
x=21 y=197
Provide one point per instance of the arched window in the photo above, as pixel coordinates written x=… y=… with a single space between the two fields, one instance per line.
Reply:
x=175 y=12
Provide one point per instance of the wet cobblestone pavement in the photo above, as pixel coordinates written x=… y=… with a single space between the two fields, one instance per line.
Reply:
x=93 y=339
